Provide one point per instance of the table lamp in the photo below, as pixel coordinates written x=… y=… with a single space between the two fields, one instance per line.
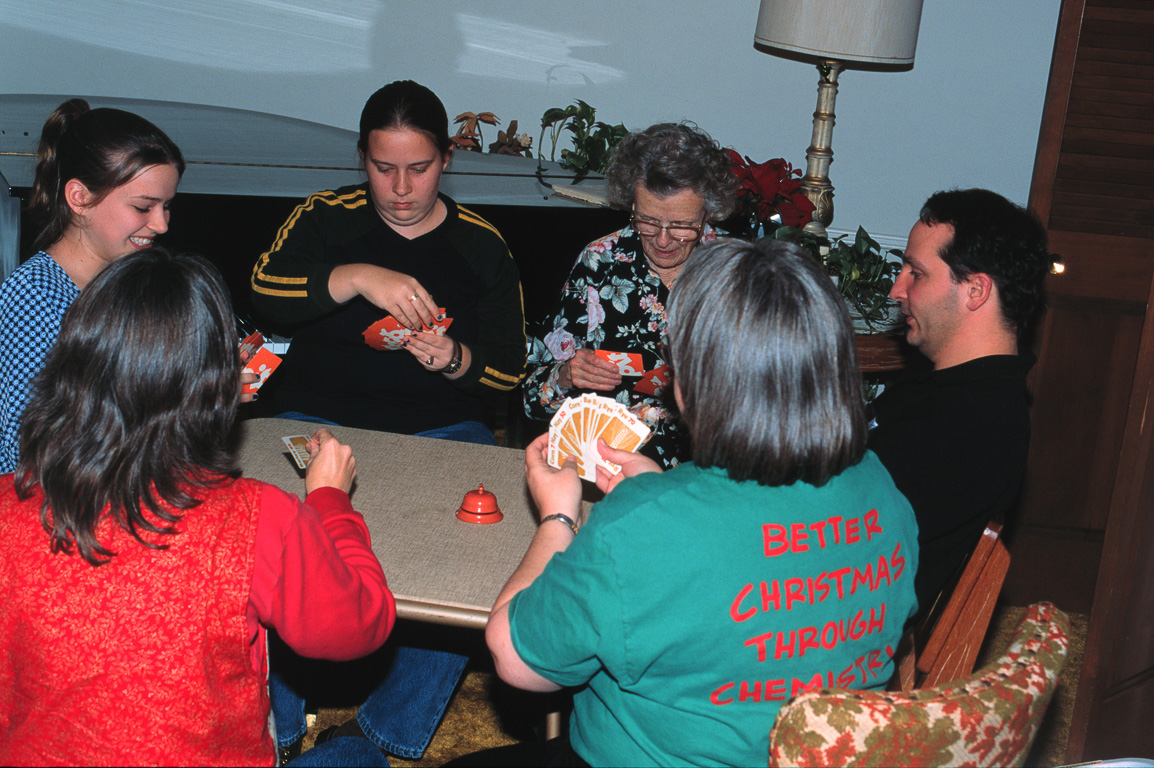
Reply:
x=868 y=34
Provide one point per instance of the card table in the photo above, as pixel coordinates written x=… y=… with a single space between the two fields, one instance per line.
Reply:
x=440 y=569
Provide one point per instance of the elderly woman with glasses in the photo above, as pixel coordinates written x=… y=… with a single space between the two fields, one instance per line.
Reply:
x=606 y=338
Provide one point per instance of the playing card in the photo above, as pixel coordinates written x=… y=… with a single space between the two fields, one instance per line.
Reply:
x=263 y=363
x=628 y=363
x=564 y=440
x=654 y=382
x=388 y=334
x=251 y=344
x=296 y=449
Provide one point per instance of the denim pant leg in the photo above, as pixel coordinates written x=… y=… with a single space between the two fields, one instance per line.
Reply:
x=342 y=751
x=298 y=416
x=402 y=713
x=462 y=432
x=288 y=710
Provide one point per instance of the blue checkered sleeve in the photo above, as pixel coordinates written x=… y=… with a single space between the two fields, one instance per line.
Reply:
x=33 y=301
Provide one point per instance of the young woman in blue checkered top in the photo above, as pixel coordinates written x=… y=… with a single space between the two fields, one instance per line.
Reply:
x=104 y=181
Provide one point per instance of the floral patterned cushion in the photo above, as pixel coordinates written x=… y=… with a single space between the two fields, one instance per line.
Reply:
x=987 y=719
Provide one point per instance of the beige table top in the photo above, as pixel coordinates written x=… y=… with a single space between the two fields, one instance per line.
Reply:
x=440 y=569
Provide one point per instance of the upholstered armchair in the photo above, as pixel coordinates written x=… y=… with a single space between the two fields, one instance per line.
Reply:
x=989 y=718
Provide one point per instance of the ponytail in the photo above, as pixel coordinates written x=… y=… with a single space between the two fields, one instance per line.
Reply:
x=101 y=148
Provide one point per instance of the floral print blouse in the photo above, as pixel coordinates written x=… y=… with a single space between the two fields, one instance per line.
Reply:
x=612 y=301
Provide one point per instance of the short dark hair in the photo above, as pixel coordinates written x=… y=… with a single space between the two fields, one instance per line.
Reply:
x=999 y=238
x=405 y=104
x=667 y=158
x=763 y=355
x=135 y=402
x=103 y=148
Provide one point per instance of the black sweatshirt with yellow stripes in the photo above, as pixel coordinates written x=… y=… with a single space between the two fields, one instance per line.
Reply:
x=331 y=372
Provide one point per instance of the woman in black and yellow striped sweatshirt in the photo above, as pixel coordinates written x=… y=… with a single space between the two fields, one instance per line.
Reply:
x=394 y=245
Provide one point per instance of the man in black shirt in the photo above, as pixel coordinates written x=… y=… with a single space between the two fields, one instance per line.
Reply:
x=955 y=437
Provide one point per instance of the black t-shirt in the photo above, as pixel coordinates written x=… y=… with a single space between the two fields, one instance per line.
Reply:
x=955 y=442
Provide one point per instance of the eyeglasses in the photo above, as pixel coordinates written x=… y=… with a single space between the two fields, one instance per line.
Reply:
x=682 y=233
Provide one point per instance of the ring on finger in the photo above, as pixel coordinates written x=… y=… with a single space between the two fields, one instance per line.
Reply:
x=429 y=361
x=413 y=297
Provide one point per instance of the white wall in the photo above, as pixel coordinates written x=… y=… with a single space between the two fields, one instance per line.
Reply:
x=966 y=115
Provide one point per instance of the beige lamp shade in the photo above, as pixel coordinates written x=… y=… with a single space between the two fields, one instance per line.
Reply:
x=868 y=31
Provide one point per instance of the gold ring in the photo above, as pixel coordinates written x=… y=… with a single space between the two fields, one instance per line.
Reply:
x=413 y=297
x=430 y=362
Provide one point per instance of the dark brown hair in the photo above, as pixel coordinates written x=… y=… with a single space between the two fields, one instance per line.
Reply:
x=103 y=148
x=135 y=402
x=763 y=355
x=405 y=104
x=1001 y=239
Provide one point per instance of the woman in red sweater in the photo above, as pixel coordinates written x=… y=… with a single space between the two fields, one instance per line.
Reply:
x=139 y=570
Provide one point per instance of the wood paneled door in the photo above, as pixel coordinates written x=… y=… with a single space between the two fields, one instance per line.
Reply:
x=1085 y=532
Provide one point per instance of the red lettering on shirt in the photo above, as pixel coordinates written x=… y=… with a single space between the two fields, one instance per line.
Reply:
x=746 y=694
x=834 y=522
x=840 y=574
x=760 y=641
x=815 y=682
x=775 y=538
x=798 y=536
x=874 y=662
x=883 y=571
x=898 y=561
x=851 y=531
x=778 y=539
x=876 y=625
x=734 y=613
x=775 y=690
x=794 y=592
x=865 y=577
x=715 y=697
x=786 y=647
x=770 y=595
x=807 y=638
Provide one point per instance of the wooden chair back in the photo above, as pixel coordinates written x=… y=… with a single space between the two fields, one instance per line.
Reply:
x=944 y=647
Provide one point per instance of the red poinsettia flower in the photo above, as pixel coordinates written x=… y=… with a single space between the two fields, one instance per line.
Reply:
x=770 y=189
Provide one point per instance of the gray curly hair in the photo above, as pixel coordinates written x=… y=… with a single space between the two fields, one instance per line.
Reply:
x=668 y=158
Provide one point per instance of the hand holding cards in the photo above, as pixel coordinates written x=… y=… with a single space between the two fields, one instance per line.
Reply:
x=330 y=465
x=580 y=421
x=388 y=334
x=297 y=450
x=262 y=362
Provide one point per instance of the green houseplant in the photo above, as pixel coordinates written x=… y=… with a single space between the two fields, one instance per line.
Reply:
x=771 y=203
x=593 y=140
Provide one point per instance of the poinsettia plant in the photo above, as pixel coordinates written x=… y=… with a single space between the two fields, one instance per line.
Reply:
x=769 y=195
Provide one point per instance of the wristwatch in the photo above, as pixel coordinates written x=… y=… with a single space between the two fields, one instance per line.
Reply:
x=454 y=364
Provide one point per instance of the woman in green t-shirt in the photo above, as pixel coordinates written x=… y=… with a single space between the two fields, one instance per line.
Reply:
x=695 y=602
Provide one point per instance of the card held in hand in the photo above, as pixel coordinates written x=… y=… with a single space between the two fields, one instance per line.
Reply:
x=581 y=421
x=296 y=448
x=388 y=334
x=263 y=363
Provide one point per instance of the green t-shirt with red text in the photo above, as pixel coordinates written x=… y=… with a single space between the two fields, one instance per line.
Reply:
x=692 y=606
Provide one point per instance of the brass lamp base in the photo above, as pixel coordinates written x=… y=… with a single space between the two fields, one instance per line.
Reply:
x=819 y=155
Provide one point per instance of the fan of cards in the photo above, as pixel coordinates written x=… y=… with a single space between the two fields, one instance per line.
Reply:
x=580 y=421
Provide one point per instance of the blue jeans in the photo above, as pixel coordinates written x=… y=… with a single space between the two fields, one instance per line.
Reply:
x=461 y=432
x=341 y=751
x=403 y=711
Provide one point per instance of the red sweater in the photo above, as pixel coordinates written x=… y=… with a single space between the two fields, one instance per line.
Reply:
x=157 y=657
